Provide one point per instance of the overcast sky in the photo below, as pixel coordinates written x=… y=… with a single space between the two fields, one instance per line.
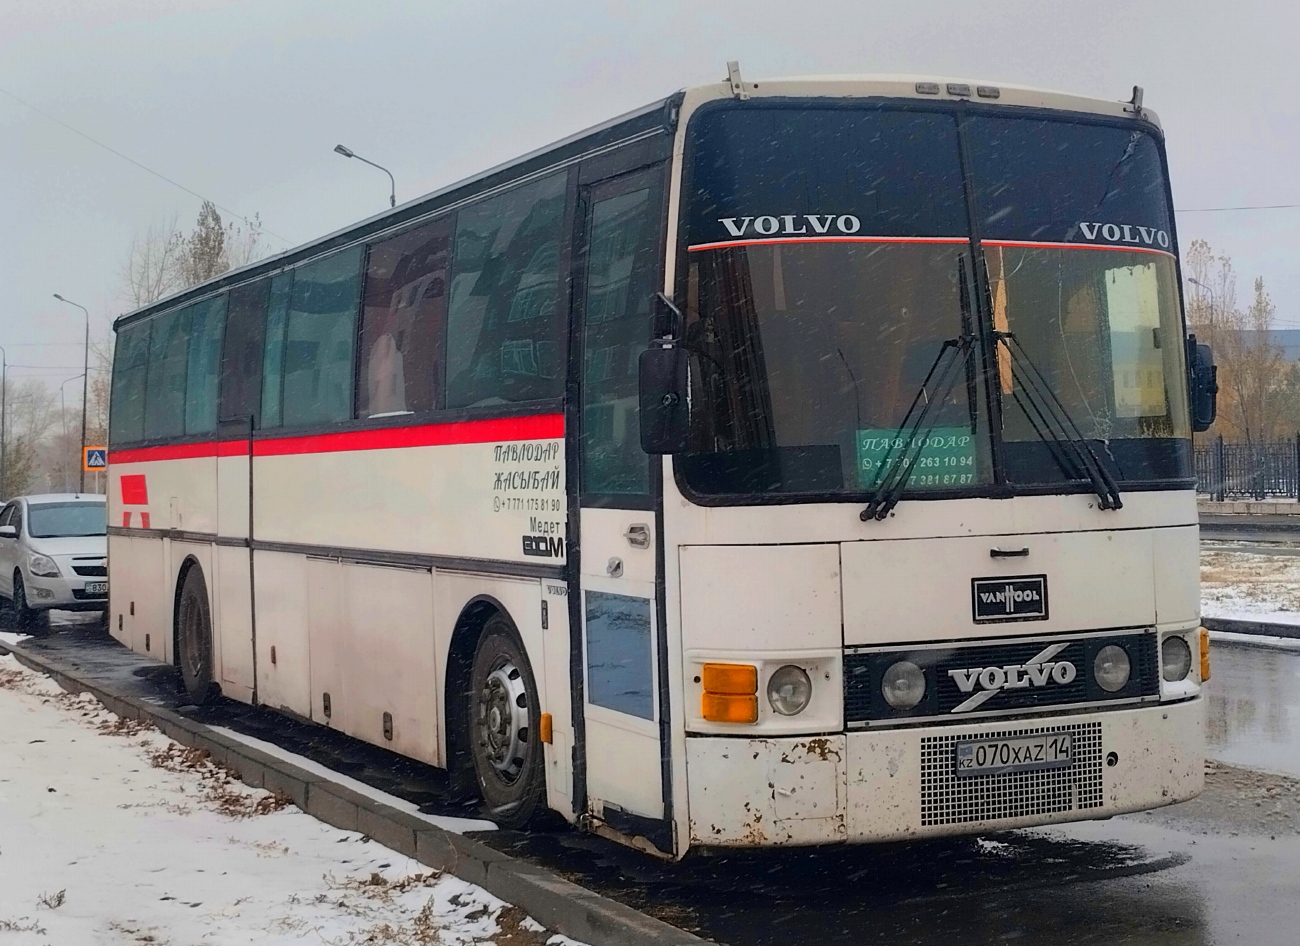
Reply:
x=243 y=100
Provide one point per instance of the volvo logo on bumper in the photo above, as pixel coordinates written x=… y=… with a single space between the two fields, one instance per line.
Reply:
x=1019 y=598
x=1039 y=671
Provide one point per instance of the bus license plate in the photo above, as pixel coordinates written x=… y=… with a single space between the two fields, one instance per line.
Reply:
x=1022 y=754
x=96 y=587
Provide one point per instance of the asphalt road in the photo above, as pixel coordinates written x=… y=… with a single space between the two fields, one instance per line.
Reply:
x=1223 y=868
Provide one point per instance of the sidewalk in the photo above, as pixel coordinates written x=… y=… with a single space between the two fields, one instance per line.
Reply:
x=110 y=831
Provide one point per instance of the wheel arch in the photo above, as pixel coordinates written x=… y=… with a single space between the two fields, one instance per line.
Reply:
x=473 y=618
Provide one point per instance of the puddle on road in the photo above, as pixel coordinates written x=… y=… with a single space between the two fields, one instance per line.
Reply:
x=1254 y=708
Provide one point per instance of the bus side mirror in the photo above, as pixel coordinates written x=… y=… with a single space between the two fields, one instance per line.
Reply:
x=1203 y=384
x=665 y=422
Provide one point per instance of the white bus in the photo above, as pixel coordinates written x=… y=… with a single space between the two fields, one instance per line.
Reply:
x=784 y=463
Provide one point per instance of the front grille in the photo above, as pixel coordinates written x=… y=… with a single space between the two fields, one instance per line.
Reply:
x=864 y=703
x=91 y=571
x=949 y=799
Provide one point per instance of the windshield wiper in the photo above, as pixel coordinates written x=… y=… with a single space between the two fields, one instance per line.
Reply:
x=895 y=470
x=1046 y=413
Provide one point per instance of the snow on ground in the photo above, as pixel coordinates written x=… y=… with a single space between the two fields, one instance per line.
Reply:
x=1250 y=587
x=110 y=833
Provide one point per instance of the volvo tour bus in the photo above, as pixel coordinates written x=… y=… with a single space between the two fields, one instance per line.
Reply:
x=784 y=463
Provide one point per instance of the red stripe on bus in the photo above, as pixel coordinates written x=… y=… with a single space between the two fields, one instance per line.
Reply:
x=1031 y=244
x=835 y=239
x=534 y=427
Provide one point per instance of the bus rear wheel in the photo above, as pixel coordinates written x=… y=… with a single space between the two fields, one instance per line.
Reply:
x=503 y=726
x=194 y=638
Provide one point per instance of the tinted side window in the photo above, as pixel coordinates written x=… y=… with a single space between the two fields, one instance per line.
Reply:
x=273 y=364
x=622 y=258
x=403 y=320
x=241 y=357
x=207 y=326
x=319 y=340
x=164 y=405
x=130 y=364
x=505 y=327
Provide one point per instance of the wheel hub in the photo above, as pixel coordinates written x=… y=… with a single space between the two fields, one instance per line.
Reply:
x=503 y=720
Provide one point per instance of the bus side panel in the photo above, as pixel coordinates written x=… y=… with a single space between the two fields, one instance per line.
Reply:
x=138 y=598
x=232 y=622
x=283 y=668
x=389 y=664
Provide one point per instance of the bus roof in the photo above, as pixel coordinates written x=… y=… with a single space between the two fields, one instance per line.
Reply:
x=659 y=117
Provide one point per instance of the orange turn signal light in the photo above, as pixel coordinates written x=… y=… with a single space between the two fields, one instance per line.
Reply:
x=1205 y=654
x=729 y=708
x=731 y=679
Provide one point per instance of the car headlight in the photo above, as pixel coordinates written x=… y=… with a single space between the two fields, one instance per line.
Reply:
x=1175 y=659
x=789 y=690
x=1111 y=668
x=903 y=685
x=43 y=566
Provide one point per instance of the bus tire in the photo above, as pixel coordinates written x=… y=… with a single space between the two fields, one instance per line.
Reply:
x=503 y=723
x=194 y=637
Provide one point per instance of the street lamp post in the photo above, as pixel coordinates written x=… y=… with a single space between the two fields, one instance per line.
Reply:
x=392 y=184
x=85 y=387
x=63 y=416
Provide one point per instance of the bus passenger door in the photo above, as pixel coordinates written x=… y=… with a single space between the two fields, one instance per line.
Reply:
x=623 y=739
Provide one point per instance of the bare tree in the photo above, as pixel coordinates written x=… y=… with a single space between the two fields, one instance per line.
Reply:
x=152 y=270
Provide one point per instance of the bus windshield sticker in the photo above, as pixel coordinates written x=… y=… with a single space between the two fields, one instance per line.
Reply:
x=946 y=458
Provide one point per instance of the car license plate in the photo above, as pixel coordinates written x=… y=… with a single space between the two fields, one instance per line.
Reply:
x=1021 y=754
x=96 y=587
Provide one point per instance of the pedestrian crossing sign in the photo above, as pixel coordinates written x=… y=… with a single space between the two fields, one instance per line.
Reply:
x=95 y=458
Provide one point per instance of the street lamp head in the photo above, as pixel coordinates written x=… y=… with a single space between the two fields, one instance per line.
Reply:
x=59 y=297
x=346 y=152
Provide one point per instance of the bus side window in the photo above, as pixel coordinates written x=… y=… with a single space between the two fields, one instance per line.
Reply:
x=505 y=324
x=622 y=260
x=241 y=357
x=130 y=364
x=403 y=318
x=207 y=326
x=273 y=362
x=320 y=340
x=164 y=402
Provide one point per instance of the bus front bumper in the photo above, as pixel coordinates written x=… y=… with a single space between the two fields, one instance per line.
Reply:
x=895 y=784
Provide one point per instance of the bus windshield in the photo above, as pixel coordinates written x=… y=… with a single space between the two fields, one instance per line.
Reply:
x=827 y=251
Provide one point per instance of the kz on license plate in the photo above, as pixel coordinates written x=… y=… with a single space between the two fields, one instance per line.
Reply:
x=96 y=587
x=1022 y=754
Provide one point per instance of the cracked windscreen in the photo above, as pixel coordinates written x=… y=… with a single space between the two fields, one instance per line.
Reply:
x=825 y=249
x=1077 y=242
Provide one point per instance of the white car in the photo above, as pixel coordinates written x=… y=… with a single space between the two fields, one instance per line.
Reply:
x=54 y=554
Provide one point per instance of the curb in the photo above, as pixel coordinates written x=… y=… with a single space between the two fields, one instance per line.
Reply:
x=1260 y=628
x=558 y=904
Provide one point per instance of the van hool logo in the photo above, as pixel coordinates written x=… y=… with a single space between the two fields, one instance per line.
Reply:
x=1125 y=233
x=1040 y=671
x=1022 y=598
x=792 y=225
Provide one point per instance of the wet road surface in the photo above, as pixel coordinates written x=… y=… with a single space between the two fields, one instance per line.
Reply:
x=1254 y=709
x=1224 y=868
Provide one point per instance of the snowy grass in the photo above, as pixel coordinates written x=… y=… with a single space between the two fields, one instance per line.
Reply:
x=1242 y=586
x=112 y=833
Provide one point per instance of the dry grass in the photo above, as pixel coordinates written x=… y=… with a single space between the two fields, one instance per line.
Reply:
x=1263 y=578
x=220 y=790
x=517 y=928
x=52 y=901
x=21 y=926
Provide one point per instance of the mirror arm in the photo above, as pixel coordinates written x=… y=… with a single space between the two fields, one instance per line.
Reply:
x=668 y=322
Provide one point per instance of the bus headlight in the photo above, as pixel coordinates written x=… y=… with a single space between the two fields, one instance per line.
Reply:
x=1111 y=668
x=1175 y=659
x=903 y=685
x=789 y=690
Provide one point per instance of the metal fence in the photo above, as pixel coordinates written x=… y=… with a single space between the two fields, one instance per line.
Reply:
x=1251 y=470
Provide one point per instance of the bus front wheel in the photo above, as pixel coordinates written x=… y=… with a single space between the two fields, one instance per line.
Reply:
x=503 y=720
x=194 y=638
